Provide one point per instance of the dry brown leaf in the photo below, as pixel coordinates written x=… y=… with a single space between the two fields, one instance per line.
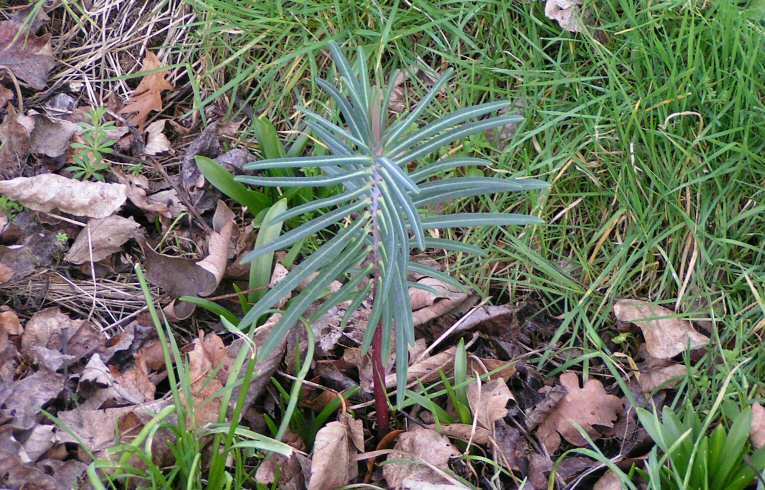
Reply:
x=489 y=401
x=464 y=432
x=588 y=406
x=659 y=373
x=758 y=426
x=427 y=369
x=178 y=276
x=6 y=95
x=609 y=481
x=9 y=322
x=288 y=469
x=47 y=192
x=28 y=56
x=6 y=273
x=38 y=441
x=665 y=335
x=27 y=396
x=101 y=238
x=204 y=385
x=14 y=144
x=206 y=144
x=405 y=468
x=97 y=428
x=164 y=203
x=51 y=137
x=147 y=97
x=333 y=465
x=156 y=141
x=566 y=13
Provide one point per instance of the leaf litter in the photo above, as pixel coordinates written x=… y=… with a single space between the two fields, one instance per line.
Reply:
x=187 y=239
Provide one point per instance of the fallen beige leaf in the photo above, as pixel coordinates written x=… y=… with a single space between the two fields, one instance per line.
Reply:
x=26 y=397
x=758 y=426
x=156 y=141
x=566 y=13
x=489 y=401
x=464 y=432
x=9 y=322
x=101 y=238
x=48 y=192
x=405 y=468
x=609 y=481
x=332 y=464
x=14 y=145
x=51 y=137
x=665 y=335
x=659 y=373
x=586 y=407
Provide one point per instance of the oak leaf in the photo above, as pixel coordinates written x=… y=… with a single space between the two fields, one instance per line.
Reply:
x=586 y=407
x=665 y=335
x=488 y=402
x=147 y=97
x=406 y=466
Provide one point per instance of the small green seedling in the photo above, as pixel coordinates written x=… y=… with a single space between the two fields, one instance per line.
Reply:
x=89 y=158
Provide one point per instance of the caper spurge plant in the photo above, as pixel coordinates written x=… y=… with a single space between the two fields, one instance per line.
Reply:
x=381 y=214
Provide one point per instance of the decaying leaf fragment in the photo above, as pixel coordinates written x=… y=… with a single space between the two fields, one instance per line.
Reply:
x=758 y=426
x=588 y=406
x=405 y=469
x=489 y=401
x=28 y=56
x=101 y=238
x=665 y=335
x=566 y=12
x=14 y=143
x=147 y=97
x=48 y=192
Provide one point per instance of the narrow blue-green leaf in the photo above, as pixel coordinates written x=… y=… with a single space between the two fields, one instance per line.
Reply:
x=356 y=303
x=496 y=184
x=453 y=246
x=320 y=203
x=402 y=364
x=330 y=127
x=304 y=230
x=398 y=174
x=430 y=272
x=363 y=76
x=315 y=261
x=343 y=294
x=467 y=220
x=323 y=181
x=455 y=134
x=347 y=74
x=449 y=121
x=401 y=200
x=260 y=268
x=352 y=118
x=386 y=100
x=374 y=319
x=308 y=296
x=444 y=165
x=401 y=126
x=225 y=182
x=307 y=162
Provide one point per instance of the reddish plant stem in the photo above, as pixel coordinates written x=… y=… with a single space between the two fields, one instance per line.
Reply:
x=378 y=374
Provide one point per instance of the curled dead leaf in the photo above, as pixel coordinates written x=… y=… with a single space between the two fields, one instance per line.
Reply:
x=101 y=238
x=14 y=144
x=47 y=192
x=665 y=335
x=156 y=141
x=50 y=137
x=659 y=373
x=586 y=406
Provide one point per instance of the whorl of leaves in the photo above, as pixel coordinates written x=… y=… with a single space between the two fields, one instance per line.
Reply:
x=379 y=214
